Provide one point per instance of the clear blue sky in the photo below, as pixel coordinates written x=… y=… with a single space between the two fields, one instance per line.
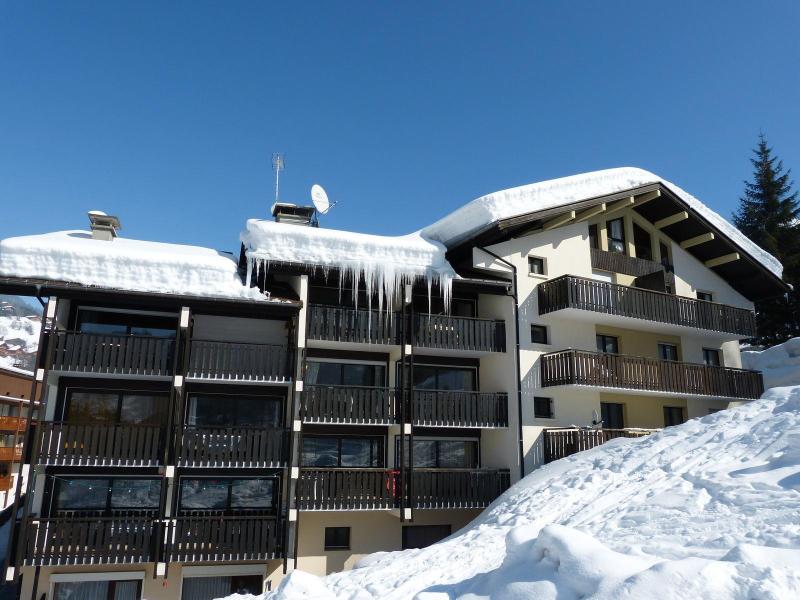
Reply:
x=166 y=113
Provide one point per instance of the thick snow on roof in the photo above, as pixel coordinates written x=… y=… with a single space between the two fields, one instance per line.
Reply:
x=482 y=212
x=135 y=265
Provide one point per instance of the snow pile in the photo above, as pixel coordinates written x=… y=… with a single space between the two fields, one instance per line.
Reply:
x=385 y=263
x=19 y=341
x=707 y=509
x=780 y=364
x=73 y=256
x=482 y=212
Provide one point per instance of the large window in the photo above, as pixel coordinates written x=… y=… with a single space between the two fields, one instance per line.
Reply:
x=612 y=414
x=98 y=590
x=421 y=536
x=442 y=453
x=228 y=494
x=333 y=451
x=642 y=243
x=106 y=494
x=115 y=323
x=209 y=588
x=131 y=407
x=594 y=238
x=335 y=373
x=431 y=377
x=207 y=410
x=616 y=235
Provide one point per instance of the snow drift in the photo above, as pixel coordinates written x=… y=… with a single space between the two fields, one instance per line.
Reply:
x=780 y=364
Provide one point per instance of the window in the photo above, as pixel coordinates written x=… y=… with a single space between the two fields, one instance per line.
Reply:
x=98 y=590
x=535 y=265
x=673 y=415
x=206 y=410
x=542 y=407
x=337 y=538
x=445 y=378
x=225 y=494
x=441 y=453
x=421 y=536
x=612 y=415
x=607 y=343
x=642 y=243
x=665 y=260
x=616 y=235
x=333 y=373
x=95 y=406
x=113 y=323
x=209 y=588
x=594 y=239
x=668 y=352
x=711 y=357
x=106 y=494
x=332 y=451
x=705 y=296
x=463 y=307
x=538 y=334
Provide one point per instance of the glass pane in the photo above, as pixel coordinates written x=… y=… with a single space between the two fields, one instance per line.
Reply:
x=82 y=590
x=615 y=229
x=425 y=453
x=247 y=584
x=324 y=373
x=320 y=452
x=252 y=493
x=424 y=377
x=205 y=588
x=92 y=407
x=100 y=322
x=208 y=411
x=257 y=412
x=199 y=494
x=456 y=379
x=458 y=454
x=143 y=409
x=82 y=494
x=126 y=590
x=135 y=493
x=358 y=452
x=355 y=374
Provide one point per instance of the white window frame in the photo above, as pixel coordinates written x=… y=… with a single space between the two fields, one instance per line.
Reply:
x=543 y=274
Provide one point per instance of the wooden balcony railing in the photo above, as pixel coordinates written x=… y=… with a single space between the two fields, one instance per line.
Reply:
x=232 y=447
x=348 y=404
x=559 y=443
x=238 y=362
x=352 y=325
x=113 y=354
x=12 y=423
x=100 y=444
x=457 y=488
x=622 y=263
x=597 y=369
x=10 y=453
x=92 y=540
x=347 y=489
x=207 y=538
x=447 y=408
x=581 y=293
x=459 y=333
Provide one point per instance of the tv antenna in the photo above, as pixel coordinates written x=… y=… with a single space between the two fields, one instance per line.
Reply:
x=278 y=164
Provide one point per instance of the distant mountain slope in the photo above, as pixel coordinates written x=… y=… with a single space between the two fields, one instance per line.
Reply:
x=19 y=333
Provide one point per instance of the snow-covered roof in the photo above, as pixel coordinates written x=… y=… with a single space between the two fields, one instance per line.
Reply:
x=126 y=264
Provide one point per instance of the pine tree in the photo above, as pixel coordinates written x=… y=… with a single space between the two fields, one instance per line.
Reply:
x=769 y=214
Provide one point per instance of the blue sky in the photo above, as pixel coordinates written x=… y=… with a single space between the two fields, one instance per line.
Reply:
x=166 y=114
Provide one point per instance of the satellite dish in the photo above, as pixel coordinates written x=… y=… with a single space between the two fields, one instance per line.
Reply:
x=320 y=199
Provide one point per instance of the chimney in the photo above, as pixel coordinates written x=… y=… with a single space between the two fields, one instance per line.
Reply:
x=104 y=227
x=294 y=214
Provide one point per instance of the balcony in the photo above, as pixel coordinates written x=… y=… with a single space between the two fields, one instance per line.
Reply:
x=10 y=453
x=210 y=537
x=112 y=354
x=13 y=423
x=348 y=404
x=234 y=362
x=357 y=326
x=560 y=443
x=90 y=540
x=233 y=447
x=457 y=488
x=621 y=372
x=100 y=444
x=610 y=301
x=443 y=332
x=347 y=489
x=446 y=408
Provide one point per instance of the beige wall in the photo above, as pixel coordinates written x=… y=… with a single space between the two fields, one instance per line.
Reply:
x=639 y=343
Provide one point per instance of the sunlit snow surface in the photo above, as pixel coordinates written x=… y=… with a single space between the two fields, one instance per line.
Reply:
x=707 y=509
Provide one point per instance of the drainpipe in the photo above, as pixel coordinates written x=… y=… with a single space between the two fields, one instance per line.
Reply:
x=518 y=365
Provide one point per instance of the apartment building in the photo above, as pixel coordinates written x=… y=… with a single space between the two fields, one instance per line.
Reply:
x=209 y=425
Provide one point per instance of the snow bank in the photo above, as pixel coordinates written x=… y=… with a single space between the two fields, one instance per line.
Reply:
x=780 y=364
x=482 y=212
x=385 y=263
x=707 y=509
x=73 y=256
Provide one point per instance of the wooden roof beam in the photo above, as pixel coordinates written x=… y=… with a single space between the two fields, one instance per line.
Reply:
x=619 y=205
x=671 y=220
x=590 y=212
x=646 y=197
x=721 y=260
x=697 y=240
x=558 y=221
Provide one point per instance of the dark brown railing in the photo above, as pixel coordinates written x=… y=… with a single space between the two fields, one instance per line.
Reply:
x=622 y=263
x=115 y=354
x=216 y=537
x=90 y=540
x=347 y=489
x=100 y=444
x=459 y=333
x=597 y=369
x=238 y=362
x=559 y=443
x=233 y=447
x=352 y=325
x=348 y=404
x=447 y=408
x=457 y=488
x=581 y=293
